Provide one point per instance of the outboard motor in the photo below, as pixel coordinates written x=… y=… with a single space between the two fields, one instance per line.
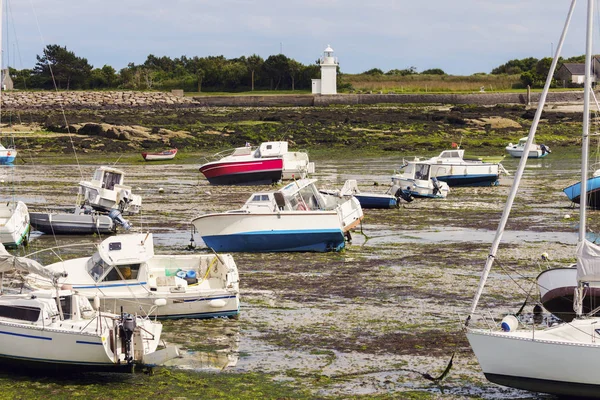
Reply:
x=545 y=149
x=126 y=331
x=116 y=216
x=436 y=186
x=404 y=195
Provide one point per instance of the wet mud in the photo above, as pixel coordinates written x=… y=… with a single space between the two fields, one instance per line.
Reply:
x=375 y=319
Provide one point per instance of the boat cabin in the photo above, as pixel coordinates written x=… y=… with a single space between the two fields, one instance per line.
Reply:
x=419 y=171
x=107 y=177
x=449 y=155
x=41 y=306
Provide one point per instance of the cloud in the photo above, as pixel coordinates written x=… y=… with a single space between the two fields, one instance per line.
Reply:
x=460 y=37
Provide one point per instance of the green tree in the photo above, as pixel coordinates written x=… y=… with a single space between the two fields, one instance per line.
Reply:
x=294 y=68
x=373 y=71
x=68 y=70
x=254 y=63
x=276 y=67
x=433 y=71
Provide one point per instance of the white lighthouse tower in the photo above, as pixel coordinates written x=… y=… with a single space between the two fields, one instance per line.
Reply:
x=328 y=82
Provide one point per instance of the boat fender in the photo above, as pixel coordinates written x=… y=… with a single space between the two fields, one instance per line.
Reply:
x=96 y=302
x=217 y=303
x=160 y=302
x=509 y=323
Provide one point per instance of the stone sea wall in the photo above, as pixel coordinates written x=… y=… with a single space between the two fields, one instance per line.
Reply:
x=73 y=100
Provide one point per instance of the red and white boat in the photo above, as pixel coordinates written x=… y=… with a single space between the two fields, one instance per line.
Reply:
x=270 y=162
x=162 y=155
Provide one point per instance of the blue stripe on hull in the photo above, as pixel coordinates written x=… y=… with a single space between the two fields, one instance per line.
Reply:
x=470 y=180
x=367 y=201
x=266 y=241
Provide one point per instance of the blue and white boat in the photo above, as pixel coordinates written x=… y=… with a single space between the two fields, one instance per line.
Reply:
x=415 y=180
x=366 y=200
x=535 y=150
x=296 y=217
x=7 y=156
x=125 y=274
x=451 y=167
x=573 y=192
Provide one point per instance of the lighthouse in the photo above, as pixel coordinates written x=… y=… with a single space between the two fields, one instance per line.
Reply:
x=328 y=82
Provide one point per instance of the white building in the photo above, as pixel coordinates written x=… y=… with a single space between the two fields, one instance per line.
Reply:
x=328 y=82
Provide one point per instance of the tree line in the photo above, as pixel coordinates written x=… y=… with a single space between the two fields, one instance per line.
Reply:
x=61 y=67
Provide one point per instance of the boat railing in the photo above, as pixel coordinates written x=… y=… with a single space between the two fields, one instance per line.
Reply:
x=528 y=321
x=225 y=153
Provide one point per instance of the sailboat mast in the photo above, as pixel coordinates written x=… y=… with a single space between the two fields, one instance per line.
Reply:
x=585 y=138
x=521 y=168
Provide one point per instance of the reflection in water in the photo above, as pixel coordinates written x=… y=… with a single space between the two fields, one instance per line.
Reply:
x=211 y=344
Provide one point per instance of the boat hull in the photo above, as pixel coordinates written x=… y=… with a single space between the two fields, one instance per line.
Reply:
x=284 y=231
x=71 y=224
x=163 y=155
x=573 y=192
x=372 y=200
x=188 y=305
x=532 y=153
x=14 y=224
x=563 y=360
x=268 y=241
x=470 y=180
x=262 y=171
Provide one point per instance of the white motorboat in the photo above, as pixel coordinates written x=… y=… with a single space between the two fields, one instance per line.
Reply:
x=107 y=192
x=14 y=224
x=59 y=329
x=78 y=221
x=268 y=163
x=451 y=167
x=562 y=359
x=125 y=274
x=296 y=217
x=366 y=200
x=535 y=150
x=415 y=179
x=7 y=155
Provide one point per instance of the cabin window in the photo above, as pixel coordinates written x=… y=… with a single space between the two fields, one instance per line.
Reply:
x=96 y=267
x=422 y=171
x=260 y=197
x=110 y=180
x=22 y=313
x=66 y=303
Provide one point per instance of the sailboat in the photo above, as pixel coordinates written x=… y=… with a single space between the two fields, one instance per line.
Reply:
x=562 y=359
x=14 y=216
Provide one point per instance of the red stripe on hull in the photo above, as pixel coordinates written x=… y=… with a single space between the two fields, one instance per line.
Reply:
x=222 y=169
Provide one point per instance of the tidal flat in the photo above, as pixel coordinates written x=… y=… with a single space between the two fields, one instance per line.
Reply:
x=373 y=321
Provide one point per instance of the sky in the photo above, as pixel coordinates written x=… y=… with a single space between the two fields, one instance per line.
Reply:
x=462 y=37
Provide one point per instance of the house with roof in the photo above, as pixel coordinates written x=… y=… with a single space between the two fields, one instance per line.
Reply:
x=573 y=74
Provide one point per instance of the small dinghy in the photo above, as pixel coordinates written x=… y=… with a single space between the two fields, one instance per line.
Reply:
x=160 y=156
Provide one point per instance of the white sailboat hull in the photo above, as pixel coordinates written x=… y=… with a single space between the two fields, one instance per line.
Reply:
x=14 y=224
x=563 y=360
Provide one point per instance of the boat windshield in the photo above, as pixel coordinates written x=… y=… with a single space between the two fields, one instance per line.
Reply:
x=99 y=270
x=110 y=180
x=422 y=171
x=96 y=267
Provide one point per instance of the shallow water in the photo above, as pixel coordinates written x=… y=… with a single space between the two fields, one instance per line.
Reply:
x=372 y=318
